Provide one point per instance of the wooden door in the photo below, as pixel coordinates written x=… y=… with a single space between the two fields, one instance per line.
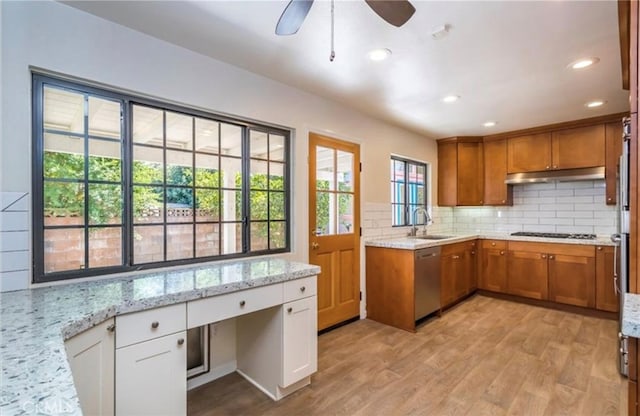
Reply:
x=530 y=153
x=496 y=192
x=334 y=220
x=612 y=152
x=447 y=174
x=572 y=279
x=527 y=274
x=581 y=147
x=470 y=173
x=493 y=269
x=606 y=296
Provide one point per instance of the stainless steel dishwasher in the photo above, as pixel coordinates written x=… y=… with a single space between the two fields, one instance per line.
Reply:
x=426 y=281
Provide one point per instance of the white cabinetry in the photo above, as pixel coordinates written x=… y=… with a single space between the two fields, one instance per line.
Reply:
x=91 y=355
x=151 y=365
x=299 y=340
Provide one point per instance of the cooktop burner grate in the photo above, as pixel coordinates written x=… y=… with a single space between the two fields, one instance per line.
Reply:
x=555 y=235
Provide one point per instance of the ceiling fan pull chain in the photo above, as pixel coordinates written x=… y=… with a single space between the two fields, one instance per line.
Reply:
x=333 y=52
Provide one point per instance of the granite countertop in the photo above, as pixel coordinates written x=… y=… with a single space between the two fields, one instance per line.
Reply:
x=414 y=243
x=631 y=315
x=36 y=378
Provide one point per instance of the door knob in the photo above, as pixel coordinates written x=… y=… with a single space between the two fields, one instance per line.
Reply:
x=315 y=246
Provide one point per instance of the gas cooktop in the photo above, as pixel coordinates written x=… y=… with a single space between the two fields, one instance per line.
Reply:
x=555 y=235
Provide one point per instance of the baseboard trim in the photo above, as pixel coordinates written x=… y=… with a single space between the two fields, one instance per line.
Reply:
x=339 y=324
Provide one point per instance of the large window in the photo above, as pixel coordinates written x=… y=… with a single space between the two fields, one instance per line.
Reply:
x=124 y=183
x=408 y=190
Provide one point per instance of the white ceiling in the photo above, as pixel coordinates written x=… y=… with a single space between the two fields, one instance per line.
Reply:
x=507 y=60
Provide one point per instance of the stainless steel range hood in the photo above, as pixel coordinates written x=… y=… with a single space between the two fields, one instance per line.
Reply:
x=560 y=175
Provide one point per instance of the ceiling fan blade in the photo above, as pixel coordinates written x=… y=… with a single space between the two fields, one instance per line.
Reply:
x=395 y=12
x=293 y=16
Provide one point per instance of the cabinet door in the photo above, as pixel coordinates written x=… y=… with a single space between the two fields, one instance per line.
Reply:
x=530 y=153
x=581 y=147
x=470 y=272
x=496 y=192
x=447 y=174
x=612 y=152
x=606 y=297
x=493 y=274
x=151 y=377
x=527 y=274
x=299 y=340
x=572 y=280
x=91 y=358
x=470 y=174
x=453 y=277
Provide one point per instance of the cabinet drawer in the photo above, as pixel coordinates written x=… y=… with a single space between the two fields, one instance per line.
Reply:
x=299 y=288
x=217 y=308
x=497 y=244
x=145 y=325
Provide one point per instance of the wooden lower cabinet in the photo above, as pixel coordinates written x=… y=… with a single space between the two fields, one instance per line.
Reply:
x=390 y=287
x=606 y=296
x=527 y=274
x=492 y=274
x=572 y=279
x=457 y=271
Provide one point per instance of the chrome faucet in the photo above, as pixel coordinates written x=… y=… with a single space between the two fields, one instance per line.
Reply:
x=427 y=221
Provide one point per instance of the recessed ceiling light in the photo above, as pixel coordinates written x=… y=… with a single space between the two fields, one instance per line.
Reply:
x=584 y=63
x=451 y=98
x=379 y=54
x=595 y=103
x=489 y=124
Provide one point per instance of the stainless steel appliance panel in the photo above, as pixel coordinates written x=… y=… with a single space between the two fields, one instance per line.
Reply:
x=426 y=281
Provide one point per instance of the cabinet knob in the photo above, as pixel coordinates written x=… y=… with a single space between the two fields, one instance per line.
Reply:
x=551 y=257
x=504 y=201
x=181 y=341
x=555 y=166
x=455 y=257
x=242 y=303
x=111 y=328
x=481 y=202
x=544 y=256
x=493 y=244
x=599 y=248
x=609 y=199
x=302 y=289
x=502 y=253
x=473 y=253
x=547 y=167
x=289 y=310
x=155 y=324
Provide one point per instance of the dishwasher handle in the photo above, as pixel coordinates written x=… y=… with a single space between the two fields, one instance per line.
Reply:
x=426 y=255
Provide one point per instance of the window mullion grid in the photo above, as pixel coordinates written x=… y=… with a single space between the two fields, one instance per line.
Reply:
x=164 y=182
x=193 y=182
x=268 y=194
x=407 y=219
x=245 y=192
x=85 y=118
x=126 y=150
x=220 y=195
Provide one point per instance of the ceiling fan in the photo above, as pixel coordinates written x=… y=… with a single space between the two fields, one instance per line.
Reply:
x=395 y=12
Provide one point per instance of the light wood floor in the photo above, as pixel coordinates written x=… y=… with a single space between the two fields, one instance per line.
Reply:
x=484 y=357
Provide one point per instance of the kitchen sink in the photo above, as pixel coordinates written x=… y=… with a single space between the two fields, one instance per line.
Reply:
x=433 y=237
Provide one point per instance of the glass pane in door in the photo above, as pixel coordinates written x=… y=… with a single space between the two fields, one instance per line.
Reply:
x=325 y=162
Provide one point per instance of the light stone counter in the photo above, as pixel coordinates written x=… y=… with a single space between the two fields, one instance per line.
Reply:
x=415 y=243
x=631 y=315
x=36 y=378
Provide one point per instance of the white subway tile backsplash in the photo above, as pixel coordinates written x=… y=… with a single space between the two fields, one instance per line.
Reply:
x=14 y=240
x=17 y=280
x=14 y=260
x=573 y=214
x=14 y=201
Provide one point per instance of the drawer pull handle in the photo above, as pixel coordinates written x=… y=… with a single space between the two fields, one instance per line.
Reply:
x=111 y=328
x=455 y=257
x=181 y=341
x=242 y=303
x=289 y=310
x=302 y=289
x=155 y=324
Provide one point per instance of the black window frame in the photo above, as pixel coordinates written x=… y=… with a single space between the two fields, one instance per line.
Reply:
x=407 y=211
x=128 y=100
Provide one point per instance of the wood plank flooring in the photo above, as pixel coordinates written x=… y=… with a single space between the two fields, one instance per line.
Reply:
x=484 y=357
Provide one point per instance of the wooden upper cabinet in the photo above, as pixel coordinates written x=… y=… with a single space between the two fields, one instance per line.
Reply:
x=612 y=152
x=530 y=153
x=496 y=192
x=581 y=147
x=460 y=172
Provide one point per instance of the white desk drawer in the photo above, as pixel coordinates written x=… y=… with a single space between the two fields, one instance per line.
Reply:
x=300 y=288
x=153 y=323
x=217 y=308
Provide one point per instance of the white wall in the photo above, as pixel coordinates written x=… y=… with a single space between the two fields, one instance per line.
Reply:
x=58 y=38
